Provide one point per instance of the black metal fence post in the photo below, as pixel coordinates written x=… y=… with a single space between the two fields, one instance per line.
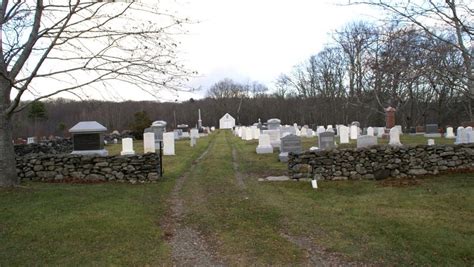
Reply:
x=161 y=159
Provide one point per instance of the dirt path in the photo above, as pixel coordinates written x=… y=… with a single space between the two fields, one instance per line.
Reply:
x=239 y=177
x=188 y=246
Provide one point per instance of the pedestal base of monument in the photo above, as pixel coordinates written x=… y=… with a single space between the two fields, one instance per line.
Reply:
x=264 y=149
x=101 y=152
x=283 y=156
x=127 y=153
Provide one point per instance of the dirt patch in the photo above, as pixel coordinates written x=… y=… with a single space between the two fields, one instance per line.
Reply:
x=188 y=247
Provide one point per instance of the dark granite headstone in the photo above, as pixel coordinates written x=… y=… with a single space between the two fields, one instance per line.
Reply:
x=88 y=138
x=289 y=143
x=432 y=130
x=326 y=140
x=92 y=141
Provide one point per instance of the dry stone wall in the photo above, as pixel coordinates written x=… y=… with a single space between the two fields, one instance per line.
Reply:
x=64 y=167
x=47 y=147
x=380 y=162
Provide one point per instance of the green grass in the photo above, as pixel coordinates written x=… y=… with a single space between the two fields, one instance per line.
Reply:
x=101 y=224
x=428 y=223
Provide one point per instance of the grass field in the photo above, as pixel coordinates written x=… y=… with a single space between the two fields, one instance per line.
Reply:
x=99 y=224
x=429 y=221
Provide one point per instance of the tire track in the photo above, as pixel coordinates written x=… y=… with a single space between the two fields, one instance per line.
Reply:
x=188 y=247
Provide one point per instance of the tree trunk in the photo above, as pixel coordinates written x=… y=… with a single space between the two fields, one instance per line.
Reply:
x=8 y=175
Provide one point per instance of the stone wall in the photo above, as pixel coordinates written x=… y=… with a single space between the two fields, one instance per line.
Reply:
x=46 y=147
x=67 y=167
x=380 y=162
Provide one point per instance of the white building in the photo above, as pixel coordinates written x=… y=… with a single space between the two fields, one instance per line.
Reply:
x=226 y=122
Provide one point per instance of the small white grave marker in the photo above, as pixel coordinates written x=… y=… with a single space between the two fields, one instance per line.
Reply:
x=127 y=147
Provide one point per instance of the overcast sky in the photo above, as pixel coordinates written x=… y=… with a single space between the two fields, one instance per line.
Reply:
x=246 y=40
x=257 y=40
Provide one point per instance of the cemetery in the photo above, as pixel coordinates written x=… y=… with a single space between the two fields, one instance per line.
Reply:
x=342 y=166
x=198 y=133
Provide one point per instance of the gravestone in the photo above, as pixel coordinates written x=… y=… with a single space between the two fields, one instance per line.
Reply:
x=326 y=140
x=370 y=131
x=286 y=130
x=356 y=123
x=274 y=137
x=304 y=131
x=390 y=117
x=273 y=124
x=468 y=134
x=460 y=135
x=194 y=133
x=243 y=133
x=470 y=137
x=168 y=144
x=88 y=138
x=158 y=128
x=420 y=129
x=31 y=140
x=149 y=143
x=354 y=132
x=366 y=141
x=296 y=129
x=432 y=130
x=193 y=141
x=394 y=137
x=248 y=134
x=127 y=147
x=343 y=134
x=450 y=133
x=309 y=132
x=255 y=132
x=289 y=143
x=400 y=129
x=264 y=145
x=431 y=142
x=320 y=129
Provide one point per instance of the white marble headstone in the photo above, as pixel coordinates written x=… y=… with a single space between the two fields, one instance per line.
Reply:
x=264 y=145
x=343 y=134
x=149 y=142
x=127 y=147
x=274 y=137
x=460 y=135
x=394 y=137
x=366 y=141
x=450 y=132
x=248 y=134
x=255 y=132
x=354 y=132
x=370 y=131
x=168 y=144
x=320 y=129
x=195 y=133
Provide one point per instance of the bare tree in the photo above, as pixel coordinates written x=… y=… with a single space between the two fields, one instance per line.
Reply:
x=435 y=17
x=76 y=45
